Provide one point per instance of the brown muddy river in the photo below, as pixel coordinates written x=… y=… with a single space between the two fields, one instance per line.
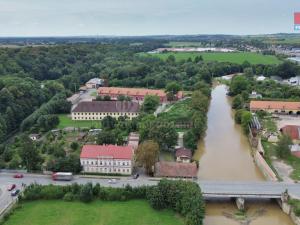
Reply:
x=225 y=154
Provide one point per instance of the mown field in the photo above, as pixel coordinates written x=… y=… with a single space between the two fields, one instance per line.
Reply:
x=66 y=121
x=135 y=212
x=176 y=44
x=234 y=57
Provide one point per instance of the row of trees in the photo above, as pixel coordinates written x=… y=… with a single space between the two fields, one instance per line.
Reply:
x=199 y=107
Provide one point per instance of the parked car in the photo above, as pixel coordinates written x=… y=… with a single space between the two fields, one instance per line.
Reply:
x=136 y=176
x=112 y=181
x=15 y=192
x=11 y=187
x=18 y=175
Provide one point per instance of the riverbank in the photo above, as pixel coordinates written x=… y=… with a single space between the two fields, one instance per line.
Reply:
x=225 y=154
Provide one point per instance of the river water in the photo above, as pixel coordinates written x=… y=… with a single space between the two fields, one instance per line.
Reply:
x=225 y=154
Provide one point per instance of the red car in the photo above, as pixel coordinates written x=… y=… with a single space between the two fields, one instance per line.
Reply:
x=18 y=175
x=11 y=187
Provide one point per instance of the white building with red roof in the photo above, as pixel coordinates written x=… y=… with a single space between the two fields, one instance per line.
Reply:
x=108 y=159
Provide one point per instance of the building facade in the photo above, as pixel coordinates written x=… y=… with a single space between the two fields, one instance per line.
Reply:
x=137 y=94
x=276 y=107
x=107 y=159
x=94 y=83
x=97 y=110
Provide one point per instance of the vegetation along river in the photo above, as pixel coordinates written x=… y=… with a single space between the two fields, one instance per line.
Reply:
x=225 y=154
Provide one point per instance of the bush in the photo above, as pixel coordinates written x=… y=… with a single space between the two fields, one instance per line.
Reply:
x=69 y=197
x=86 y=193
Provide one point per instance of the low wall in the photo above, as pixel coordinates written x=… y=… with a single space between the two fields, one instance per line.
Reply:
x=295 y=219
x=264 y=167
x=7 y=208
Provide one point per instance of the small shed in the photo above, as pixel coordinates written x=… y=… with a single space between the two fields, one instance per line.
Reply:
x=183 y=155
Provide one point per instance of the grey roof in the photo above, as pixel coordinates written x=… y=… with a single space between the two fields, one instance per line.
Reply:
x=107 y=106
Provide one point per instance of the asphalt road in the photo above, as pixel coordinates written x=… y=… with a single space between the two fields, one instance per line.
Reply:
x=209 y=188
x=7 y=179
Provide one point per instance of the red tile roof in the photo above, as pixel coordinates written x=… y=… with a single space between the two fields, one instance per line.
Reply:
x=130 y=91
x=174 y=169
x=276 y=105
x=184 y=152
x=110 y=151
x=134 y=92
x=292 y=130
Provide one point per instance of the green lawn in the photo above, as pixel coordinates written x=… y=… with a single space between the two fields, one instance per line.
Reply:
x=178 y=111
x=66 y=121
x=234 y=57
x=136 y=212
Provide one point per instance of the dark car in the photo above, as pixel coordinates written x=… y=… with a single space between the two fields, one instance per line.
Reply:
x=136 y=176
x=11 y=187
x=15 y=192
x=18 y=175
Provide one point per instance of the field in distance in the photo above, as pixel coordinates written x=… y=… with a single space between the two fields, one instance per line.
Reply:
x=135 y=212
x=233 y=57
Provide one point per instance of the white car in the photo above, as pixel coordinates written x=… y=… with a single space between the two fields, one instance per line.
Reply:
x=112 y=181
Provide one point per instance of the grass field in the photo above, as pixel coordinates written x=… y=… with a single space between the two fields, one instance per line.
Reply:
x=65 y=121
x=135 y=212
x=179 y=110
x=233 y=57
x=176 y=44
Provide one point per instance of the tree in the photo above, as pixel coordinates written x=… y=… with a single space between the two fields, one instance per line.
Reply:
x=173 y=87
x=238 y=84
x=238 y=102
x=86 y=193
x=106 y=137
x=108 y=122
x=245 y=120
x=29 y=154
x=106 y=98
x=147 y=154
x=200 y=102
x=74 y=146
x=160 y=130
x=248 y=72
x=190 y=140
x=282 y=149
x=151 y=102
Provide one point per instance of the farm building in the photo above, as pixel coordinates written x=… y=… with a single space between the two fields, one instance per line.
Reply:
x=279 y=107
x=97 y=110
x=137 y=94
x=175 y=169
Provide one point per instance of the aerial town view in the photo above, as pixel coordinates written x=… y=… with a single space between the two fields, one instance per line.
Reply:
x=162 y=112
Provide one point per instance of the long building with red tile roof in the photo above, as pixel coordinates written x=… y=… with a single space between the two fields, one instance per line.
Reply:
x=108 y=159
x=275 y=107
x=137 y=94
x=175 y=169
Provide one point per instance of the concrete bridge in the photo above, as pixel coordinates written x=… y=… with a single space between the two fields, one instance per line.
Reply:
x=241 y=191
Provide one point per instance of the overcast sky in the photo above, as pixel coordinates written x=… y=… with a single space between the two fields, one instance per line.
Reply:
x=145 y=17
